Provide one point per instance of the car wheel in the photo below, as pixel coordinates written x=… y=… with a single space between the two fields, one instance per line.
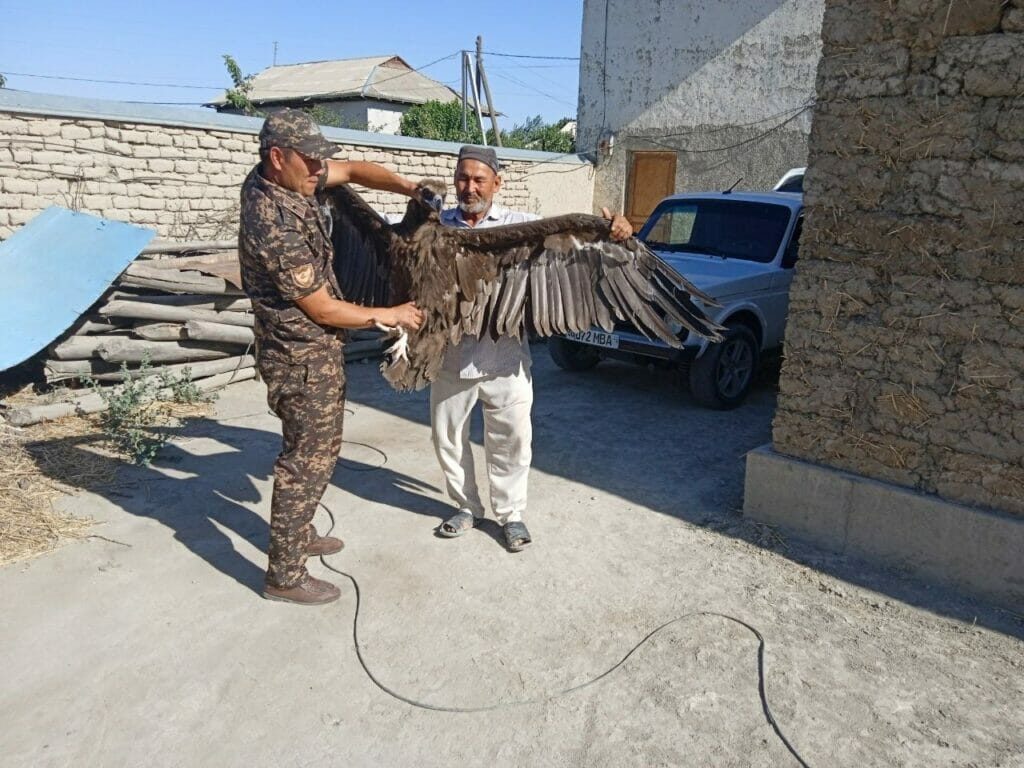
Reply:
x=571 y=355
x=722 y=376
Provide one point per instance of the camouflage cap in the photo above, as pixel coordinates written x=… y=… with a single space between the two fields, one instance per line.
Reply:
x=294 y=129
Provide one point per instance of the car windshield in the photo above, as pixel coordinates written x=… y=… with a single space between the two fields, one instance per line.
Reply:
x=724 y=228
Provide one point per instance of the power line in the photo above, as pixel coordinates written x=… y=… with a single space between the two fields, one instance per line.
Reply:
x=751 y=140
x=528 y=56
x=116 y=82
x=529 y=87
x=206 y=87
x=559 y=84
x=535 y=66
x=810 y=102
x=417 y=69
x=166 y=103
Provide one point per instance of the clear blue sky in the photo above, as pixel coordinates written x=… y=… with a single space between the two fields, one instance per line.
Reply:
x=181 y=44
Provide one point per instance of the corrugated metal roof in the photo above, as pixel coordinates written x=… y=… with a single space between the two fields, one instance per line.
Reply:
x=387 y=78
x=54 y=268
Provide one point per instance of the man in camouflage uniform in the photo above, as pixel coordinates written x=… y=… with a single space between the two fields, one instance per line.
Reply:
x=286 y=260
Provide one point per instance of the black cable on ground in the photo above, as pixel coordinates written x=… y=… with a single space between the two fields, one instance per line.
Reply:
x=353 y=467
x=558 y=694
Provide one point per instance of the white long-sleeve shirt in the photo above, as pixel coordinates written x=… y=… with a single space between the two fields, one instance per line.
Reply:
x=472 y=358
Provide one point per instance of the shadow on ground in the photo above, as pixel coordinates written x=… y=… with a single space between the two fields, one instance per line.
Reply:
x=201 y=496
x=636 y=433
x=630 y=432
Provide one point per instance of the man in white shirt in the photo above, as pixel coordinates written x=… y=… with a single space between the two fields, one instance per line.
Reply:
x=495 y=373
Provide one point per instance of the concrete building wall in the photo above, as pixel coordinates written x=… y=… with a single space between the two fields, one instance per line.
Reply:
x=725 y=83
x=373 y=116
x=351 y=114
x=904 y=357
x=384 y=118
x=179 y=171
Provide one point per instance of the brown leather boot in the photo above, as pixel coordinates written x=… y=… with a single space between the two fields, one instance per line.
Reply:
x=309 y=591
x=325 y=545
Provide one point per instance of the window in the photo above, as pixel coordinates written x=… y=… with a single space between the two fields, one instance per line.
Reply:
x=793 y=249
x=674 y=225
x=795 y=184
x=727 y=228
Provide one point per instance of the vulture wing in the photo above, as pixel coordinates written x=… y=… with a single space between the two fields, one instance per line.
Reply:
x=563 y=274
x=362 y=254
x=550 y=276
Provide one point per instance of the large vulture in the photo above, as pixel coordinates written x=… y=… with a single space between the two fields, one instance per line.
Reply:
x=547 y=276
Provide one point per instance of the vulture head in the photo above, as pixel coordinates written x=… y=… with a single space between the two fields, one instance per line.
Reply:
x=426 y=205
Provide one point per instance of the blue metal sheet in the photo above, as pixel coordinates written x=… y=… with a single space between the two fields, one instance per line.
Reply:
x=52 y=270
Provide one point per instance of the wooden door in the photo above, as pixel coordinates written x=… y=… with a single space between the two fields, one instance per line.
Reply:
x=652 y=176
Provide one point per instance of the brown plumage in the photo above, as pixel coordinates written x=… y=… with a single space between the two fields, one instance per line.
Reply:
x=547 y=276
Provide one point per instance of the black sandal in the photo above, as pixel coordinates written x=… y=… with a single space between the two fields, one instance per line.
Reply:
x=516 y=536
x=458 y=524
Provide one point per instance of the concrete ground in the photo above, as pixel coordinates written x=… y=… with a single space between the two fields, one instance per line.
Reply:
x=152 y=647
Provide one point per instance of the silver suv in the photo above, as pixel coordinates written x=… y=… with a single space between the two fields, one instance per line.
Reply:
x=740 y=248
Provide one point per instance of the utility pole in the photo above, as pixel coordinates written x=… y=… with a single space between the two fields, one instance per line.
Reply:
x=275 y=53
x=482 y=80
x=469 y=79
x=465 y=90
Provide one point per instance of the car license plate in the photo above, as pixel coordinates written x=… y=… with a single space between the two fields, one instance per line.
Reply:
x=596 y=338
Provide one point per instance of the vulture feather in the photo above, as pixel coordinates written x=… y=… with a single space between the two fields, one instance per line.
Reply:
x=552 y=275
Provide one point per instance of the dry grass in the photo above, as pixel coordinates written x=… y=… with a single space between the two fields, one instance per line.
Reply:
x=38 y=465
x=41 y=463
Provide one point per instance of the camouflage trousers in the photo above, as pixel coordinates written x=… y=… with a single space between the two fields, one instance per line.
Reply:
x=309 y=398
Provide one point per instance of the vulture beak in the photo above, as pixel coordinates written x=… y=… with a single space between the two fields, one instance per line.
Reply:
x=431 y=199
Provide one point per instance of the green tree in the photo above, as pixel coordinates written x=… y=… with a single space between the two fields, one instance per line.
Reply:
x=536 y=134
x=441 y=121
x=323 y=116
x=238 y=97
x=3 y=81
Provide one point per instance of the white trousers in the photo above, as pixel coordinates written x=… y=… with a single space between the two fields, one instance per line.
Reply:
x=506 y=402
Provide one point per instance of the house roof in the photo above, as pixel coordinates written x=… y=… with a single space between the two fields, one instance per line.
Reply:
x=387 y=78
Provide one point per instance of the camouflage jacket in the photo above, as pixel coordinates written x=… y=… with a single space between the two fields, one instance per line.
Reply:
x=285 y=252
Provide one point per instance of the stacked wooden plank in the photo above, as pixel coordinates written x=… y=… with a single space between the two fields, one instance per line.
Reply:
x=176 y=312
x=180 y=307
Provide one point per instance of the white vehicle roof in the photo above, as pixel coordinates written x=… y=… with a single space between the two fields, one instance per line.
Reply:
x=791 y=173
x=789 y=199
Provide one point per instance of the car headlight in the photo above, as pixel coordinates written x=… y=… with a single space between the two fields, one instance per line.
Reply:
x=677 y=328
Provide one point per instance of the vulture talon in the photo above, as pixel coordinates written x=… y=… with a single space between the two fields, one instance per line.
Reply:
x=399 y=350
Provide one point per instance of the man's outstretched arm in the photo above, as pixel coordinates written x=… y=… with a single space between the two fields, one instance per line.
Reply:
x=323 y=309
x=369 y=175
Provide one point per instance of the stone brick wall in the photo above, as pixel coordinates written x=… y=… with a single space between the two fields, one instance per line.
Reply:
x=905 y=345
x=184 y=181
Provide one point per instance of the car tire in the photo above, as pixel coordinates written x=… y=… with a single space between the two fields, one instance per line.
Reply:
x=721 y=378
x=571 y=355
